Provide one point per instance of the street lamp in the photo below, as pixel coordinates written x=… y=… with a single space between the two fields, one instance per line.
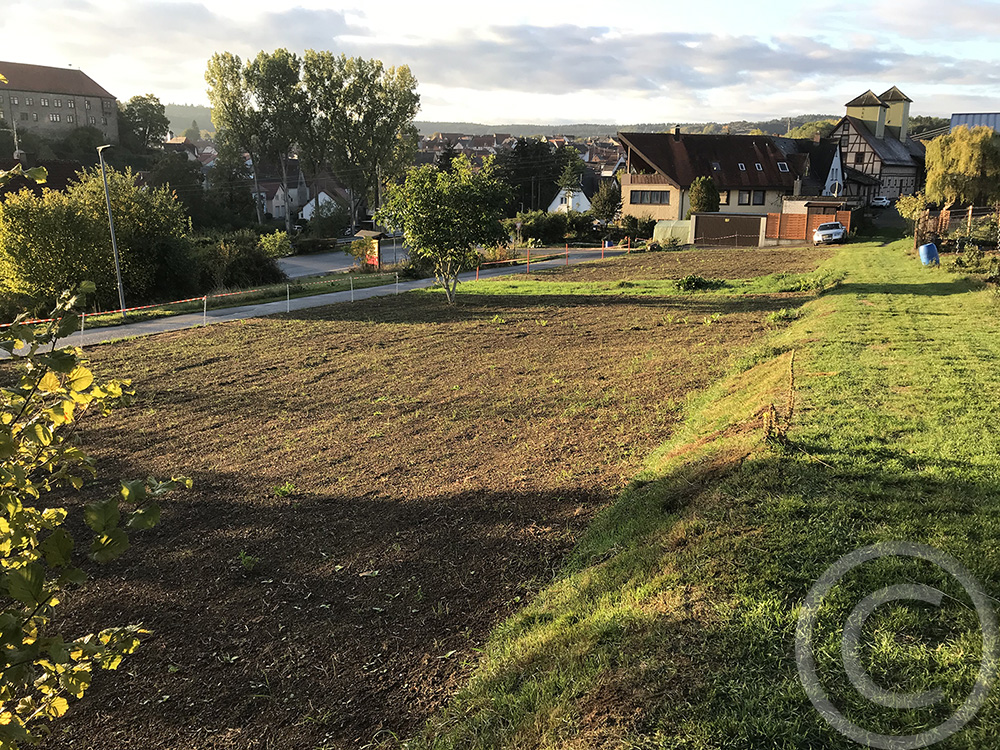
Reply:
x=111 y=223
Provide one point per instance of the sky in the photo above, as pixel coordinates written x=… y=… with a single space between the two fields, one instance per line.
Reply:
x=522 y=61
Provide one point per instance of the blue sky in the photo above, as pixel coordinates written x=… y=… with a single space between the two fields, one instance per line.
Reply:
x=520 y=61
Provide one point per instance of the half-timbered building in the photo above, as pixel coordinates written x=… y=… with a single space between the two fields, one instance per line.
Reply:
x=877 y=156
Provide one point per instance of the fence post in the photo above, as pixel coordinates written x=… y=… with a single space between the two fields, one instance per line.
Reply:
x=603 y=243
x=528 y=267
x=567 y=253
x=288 y=298
x=968 y=227
x=477 y=273
x=630 y=244
x=397 y=283
x=352 y=287
x=204 y=311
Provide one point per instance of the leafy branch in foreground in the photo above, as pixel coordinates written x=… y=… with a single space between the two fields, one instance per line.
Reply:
x=42 y=400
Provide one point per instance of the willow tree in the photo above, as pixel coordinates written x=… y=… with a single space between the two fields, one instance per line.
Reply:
x=963 y=167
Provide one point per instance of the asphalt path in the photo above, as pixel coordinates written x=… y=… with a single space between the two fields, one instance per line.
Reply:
x=297 y=266
x=226 y=315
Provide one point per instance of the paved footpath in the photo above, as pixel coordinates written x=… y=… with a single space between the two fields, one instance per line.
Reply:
x=225 y=315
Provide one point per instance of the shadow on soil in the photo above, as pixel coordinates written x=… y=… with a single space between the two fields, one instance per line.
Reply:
x=685 y=628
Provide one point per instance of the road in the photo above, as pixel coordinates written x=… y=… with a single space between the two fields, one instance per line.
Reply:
x=338 y=262
x=193 y=320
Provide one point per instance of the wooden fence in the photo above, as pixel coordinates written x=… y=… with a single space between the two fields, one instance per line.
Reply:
x=801 y=226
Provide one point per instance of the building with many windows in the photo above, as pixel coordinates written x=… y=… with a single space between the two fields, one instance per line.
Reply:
x=54 y=101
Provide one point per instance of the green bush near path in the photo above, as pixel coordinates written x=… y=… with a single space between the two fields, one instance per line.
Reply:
x=673 y=622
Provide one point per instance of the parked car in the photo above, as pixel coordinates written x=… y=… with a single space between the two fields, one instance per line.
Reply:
x=881 y=201
x=830 y=232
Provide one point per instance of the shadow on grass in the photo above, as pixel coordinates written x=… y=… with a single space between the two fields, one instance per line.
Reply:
x=674 y=623
x=928 y=289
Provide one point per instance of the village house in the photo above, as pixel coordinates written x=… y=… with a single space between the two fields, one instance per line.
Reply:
x=751 y=173
x=876 y=149
x=55 y=101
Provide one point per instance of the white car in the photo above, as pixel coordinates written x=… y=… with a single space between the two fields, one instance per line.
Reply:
x=881 y=201
x=828 y=233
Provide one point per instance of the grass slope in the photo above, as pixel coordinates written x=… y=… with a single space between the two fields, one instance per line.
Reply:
x=673 y=623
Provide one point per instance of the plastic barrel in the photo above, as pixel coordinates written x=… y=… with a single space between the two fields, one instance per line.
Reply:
x=929 y=254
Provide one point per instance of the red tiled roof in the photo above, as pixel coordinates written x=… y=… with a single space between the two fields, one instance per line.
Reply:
x=683 y=158
x=43 y=79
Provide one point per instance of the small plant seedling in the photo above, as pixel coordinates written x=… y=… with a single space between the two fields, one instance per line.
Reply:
x=284 y=490
x=248 y=561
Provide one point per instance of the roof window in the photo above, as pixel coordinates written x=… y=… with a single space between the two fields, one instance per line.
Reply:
x=760 y=167
x=743 y=167
x=782 y=166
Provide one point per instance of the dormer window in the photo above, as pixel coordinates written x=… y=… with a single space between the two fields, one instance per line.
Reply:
x=782 y=166
x=743 y=167
x=760 y=167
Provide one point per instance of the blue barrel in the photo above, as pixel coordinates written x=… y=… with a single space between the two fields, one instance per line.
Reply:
x=929 y=255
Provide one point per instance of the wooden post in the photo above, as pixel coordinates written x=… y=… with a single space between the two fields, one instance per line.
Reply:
x=528 y=266
x=567 y=253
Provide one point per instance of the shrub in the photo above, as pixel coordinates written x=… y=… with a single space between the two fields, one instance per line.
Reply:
x=694 y=283
x=276 y=245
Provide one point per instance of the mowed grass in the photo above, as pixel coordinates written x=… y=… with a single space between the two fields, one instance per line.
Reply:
x=377 y=486
x=673 y=623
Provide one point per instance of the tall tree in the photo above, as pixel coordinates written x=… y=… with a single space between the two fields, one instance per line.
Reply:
x=143 y=122
x=607 y=201
x=448 y=154
x=704 y=195
x=193 y=133
x=964 y=167
x=319 y=124
x=234 y=112
x=571 y=180
x=444 y=215
x=371 y=109
x=281 y=100
x=531 y=170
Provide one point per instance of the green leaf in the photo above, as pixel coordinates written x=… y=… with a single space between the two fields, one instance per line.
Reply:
x=38 y=174
x=61 y=360
x=109 y=546
x=38 y=434
x=67 y=325
x=102 y=516
x=26 y=584
x=86 y=287
x=73 y=575
x=76 y=681
x=134 y=491
x=58 y=548
x=144 y=518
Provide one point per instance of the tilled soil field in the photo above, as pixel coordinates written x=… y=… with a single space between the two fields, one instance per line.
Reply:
x=376 y=486
x=719 y=263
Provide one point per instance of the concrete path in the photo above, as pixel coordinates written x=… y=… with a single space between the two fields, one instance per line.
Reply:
x=297 y=266
x=193 y=320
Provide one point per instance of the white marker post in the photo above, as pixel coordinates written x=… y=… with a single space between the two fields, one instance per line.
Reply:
x=204 y=311
x=397 y=283
x=352 y=287
x=288 y=298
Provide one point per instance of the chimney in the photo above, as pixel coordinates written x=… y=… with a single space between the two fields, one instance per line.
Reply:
x=677 y=132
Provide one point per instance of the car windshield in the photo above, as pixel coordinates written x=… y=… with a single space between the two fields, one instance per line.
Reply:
x=824 y=227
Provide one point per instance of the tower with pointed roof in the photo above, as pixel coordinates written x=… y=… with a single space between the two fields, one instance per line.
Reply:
x=871 y=110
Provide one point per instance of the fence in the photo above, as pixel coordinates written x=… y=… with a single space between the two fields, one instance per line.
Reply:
x=801 y=226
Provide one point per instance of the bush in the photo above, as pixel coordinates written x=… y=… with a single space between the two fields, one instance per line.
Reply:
x=233 y=260
x=694 y=283
x=638 y=227
x=276 y=245
x=55 y=241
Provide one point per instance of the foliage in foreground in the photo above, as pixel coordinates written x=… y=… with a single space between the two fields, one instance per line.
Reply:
x=39 y=414
x=444 y=215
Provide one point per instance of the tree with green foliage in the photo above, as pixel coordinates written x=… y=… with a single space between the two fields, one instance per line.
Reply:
x=54 y=241
x=919 y=124
x=607 y=201
x=703 y=195
x=184 y=179
x=530 y=170
x=911 y=208
x=274 y=80
x=50 y=393
x=193 y=133
x=571 y=180
x=809 y=130
x=445 y=215
x=370 y=109
x=963 y=167
x=234 y=112
x=448 y=154
x=142 y=123
x=230 y=181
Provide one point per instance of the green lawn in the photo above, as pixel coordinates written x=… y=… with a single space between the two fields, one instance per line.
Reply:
x=673 y=623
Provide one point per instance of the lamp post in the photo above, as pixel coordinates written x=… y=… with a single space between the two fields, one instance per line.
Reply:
x=111 y=223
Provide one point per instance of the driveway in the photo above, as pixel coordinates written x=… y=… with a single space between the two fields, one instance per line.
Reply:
x=296 y=266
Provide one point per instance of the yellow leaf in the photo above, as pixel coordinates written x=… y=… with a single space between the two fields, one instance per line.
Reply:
x=49 y=383
x=80 y=379
x=58 y=707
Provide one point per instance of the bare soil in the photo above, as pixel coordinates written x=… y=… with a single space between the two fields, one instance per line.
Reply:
x=377 y=485
x=718 y=263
